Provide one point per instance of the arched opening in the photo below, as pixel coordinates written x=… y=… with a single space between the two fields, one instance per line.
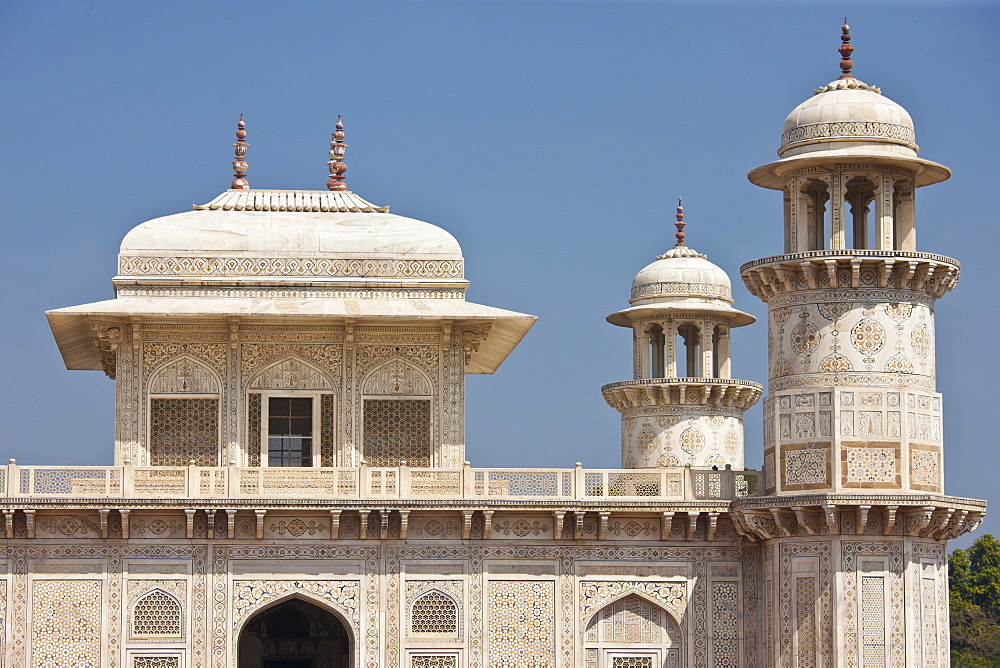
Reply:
x=689 y=341
x=816 y=195
x=859 y=197
x=656 y=362
x=634 y=631
x=294 y=634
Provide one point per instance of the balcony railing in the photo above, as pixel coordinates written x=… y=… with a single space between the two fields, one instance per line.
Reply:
x=364 y=482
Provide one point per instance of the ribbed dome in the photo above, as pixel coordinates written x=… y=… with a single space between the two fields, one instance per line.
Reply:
x=681 y=275
x=848 y=115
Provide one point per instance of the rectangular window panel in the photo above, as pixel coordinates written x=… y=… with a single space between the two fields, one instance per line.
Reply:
x=289 y=431
x=253 y=430
x=397 y=430
x=184 y=429
x=328 y=429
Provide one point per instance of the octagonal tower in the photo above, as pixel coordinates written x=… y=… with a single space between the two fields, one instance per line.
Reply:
x=854 y=522
x=682 y=408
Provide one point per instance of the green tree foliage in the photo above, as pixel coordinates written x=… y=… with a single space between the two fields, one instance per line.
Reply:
x=974 y=581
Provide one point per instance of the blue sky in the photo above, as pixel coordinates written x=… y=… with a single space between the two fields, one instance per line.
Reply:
x=551 y=139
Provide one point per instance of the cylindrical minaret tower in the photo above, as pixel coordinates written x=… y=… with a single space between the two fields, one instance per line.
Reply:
x=854 y=522
x=851 y=401
x=682 y=408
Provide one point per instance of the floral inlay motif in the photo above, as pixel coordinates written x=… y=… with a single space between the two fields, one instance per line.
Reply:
x=898 y=363
x=921 y=341
x=899 y=311
x=646 y=440
x=867 y=336
x=805 y=338
x=692 y=440
x=832 y=311
x=834 y=363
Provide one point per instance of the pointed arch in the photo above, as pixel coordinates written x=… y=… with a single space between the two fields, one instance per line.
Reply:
x=435 y=612
x=397 y=377
x=184 y=374
x=291 y=372
x=267 y=603
x=635 y=625
x=156 y=613
x=673 y=614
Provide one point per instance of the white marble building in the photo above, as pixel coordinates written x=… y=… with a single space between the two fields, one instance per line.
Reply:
x=291 y=489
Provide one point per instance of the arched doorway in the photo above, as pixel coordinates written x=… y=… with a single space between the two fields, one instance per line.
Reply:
x=294 y=634
x=633 y=632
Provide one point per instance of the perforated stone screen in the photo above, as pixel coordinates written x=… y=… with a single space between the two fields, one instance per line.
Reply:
x=397 y=430
x=434 y=612
x=156 y=614
x=156 y=662
x=182 y=430
x=632 y=662
x=434 y=661
x=328 y=429
x=253 y=429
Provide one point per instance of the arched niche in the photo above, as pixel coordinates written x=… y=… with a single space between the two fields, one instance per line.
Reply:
x=291 y=373
x=397 y=377
x=292 y=628
x=156 y=614
x=435 y=613
x=184 y=375
x=635 y=627
x=397 y=415
x=183 y=413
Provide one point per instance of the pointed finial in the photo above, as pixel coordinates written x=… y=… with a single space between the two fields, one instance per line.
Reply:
x=680 y=224
x=240 y=158
x=845 y=52
x=336 y=167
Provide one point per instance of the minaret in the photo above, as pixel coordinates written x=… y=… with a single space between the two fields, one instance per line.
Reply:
x=682 y=408
x=855 y=525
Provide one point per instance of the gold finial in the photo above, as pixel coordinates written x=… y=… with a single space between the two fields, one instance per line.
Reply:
x=680 y=224
x=845 y=52
x=240 y=158
x=336 y=167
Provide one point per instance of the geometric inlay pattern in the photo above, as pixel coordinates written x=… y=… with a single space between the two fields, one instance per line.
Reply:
x=805 y=621
x=725 y=626
x=873 y=620
x=521 y=623
x=397 y=430
x=804 y=467
x=66 y=628
x=871 y=465
x=925 y=468
x=184 y=429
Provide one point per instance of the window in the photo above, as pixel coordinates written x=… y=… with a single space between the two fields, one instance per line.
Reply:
x=434 y=612
x=397 y=430
x=182 y=430
x=156 y=614
x=290 y=431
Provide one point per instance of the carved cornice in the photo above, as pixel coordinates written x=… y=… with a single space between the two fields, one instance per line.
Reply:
x=925 y=273
x=656 y=392
x=937 y=517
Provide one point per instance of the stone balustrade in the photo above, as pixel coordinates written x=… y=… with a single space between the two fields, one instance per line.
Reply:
x=364 y=482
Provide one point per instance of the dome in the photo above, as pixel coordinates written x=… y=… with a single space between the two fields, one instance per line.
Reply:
x=847 y=120
x=681 y=275
x=848 y=115
x=291 y=236
x=682 y=280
